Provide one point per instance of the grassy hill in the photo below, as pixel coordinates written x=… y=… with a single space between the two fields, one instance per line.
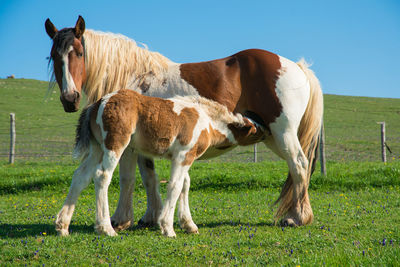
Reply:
x=45 y=131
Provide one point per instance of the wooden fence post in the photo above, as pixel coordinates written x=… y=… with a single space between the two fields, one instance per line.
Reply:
x=383 y=141
x=322 y=150
x=12 y=138
x=255 y=152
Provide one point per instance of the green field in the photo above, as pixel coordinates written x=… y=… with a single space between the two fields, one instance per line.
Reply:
x=46 y=132
x=356 y=206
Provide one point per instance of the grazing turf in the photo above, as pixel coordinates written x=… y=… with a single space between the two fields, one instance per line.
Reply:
x=356 y=208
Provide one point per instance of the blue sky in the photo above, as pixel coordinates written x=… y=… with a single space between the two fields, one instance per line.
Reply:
x=354 y=45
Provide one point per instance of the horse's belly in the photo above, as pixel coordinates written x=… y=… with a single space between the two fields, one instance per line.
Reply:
x=213 y=152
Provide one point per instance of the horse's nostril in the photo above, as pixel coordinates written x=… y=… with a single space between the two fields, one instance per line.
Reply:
x=77 y=96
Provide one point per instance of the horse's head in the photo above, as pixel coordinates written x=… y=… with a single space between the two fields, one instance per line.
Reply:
x=68 y=56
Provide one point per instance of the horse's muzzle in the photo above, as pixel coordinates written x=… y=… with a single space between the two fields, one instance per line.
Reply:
x=70 y=102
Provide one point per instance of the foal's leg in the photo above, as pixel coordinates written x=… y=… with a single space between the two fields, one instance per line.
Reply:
x=151 y=184
x=102 y=179
x=80 y=181
x=175 y=185
x=185 y=218
x=299 y=208
x=123 y=216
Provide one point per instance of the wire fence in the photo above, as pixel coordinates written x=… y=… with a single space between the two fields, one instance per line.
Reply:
x=343 y=143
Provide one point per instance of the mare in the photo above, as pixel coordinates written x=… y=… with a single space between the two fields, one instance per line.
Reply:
x=181 y=129
x=283 y=96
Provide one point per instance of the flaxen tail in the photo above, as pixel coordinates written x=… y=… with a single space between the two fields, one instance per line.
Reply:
x=308 y=134
x=83 y=134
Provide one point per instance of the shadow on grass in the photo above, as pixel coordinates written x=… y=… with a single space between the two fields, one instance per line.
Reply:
x=7 y=189
x=214 y=224
x=226 y=183
x=237 y=223
x=38 y=230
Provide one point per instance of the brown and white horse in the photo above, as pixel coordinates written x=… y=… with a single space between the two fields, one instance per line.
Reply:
x=125 y=123
x=282 y=95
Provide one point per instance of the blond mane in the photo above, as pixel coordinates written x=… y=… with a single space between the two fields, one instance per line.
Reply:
x=114 y=60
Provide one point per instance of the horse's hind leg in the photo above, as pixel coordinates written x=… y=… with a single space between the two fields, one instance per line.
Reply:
x=185 y=218
x=123 y=216
x=174 y=189
x=80 y=181
x=294 y=203
x=151 y=184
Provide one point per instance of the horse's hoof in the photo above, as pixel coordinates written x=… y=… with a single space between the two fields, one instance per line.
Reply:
x=143 y=224
x=120 y=226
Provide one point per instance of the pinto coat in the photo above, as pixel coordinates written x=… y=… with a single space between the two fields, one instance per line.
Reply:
x=181 y=129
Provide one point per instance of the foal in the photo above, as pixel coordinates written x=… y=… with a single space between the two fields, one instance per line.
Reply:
x=125 y=123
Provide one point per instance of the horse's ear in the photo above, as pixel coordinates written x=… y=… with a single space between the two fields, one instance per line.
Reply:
x=50 y=28
x=79 y=27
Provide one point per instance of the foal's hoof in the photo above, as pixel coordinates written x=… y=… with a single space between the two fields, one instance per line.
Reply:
x=196 y=232
x=289 y=222
x=168 y=233
x=102 y=230
x=190 y=228
x=62 y=232
x=119 y=226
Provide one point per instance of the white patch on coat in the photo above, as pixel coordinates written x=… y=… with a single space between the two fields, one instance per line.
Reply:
x=178 y=106
x=68 y=84
x=293 y=91
x=99 y=118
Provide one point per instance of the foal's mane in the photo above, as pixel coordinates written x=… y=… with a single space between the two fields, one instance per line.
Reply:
x=216 y=111
x=113 y=61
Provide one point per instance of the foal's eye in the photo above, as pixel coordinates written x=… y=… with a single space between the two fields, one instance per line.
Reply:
x=79 y=54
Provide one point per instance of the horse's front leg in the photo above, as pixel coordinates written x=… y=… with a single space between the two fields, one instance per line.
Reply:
x=185 y=218
x=174 y=189
x=102 y=180
x=123 y=216
x=151 y=184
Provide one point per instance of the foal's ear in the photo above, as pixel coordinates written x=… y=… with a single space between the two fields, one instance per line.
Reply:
x=79 y=27
x=50 y=29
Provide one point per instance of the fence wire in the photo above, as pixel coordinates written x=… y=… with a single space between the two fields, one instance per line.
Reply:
x=55 y=143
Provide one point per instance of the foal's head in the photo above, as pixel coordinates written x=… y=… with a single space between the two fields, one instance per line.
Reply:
x=68 y=56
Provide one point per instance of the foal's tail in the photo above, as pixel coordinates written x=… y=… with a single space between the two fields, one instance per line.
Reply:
x=83 y=134
x=308 y=134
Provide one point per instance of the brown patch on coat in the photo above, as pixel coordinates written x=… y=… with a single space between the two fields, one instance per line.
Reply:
x=208 y=138
x=152 y=119
x=119 y=120
x=243 y=81
x=203 y=142
x=218 y=139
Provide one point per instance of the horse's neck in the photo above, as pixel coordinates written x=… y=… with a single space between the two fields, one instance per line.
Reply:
x=115 y=62
x=167 y=85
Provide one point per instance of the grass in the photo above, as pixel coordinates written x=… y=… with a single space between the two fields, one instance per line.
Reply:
x=356 y=208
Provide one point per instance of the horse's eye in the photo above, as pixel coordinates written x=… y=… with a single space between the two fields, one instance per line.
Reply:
x=79 y=54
